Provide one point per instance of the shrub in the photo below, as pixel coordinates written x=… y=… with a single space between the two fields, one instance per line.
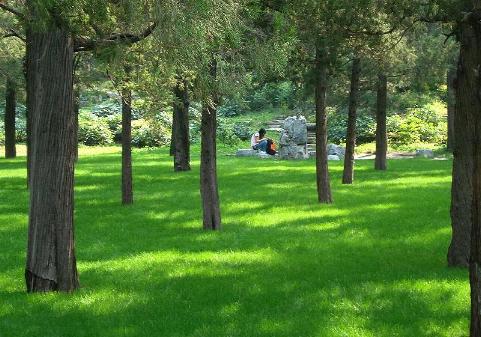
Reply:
x=149 y=134
x=94 y=131
x=243 y=130
x=225 y=132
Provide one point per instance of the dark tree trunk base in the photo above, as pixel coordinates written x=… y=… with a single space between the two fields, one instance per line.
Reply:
x=348 y=174
x=381 y=129
x=322 y=167
x=181 y=127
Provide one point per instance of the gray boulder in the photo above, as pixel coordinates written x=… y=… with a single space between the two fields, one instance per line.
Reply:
x=293 y=152
x=424 y=153
x=333 y=157
x=336 y=150
x=294 y=131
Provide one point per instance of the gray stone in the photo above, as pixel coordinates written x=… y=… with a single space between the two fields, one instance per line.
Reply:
x=295 y=130
x=333 y=157
x=336 y=150
x=424 y=153
x=246 y=153
x=293 y=139
x=293 y=152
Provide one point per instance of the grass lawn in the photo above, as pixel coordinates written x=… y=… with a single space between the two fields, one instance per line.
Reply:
x=373 y=264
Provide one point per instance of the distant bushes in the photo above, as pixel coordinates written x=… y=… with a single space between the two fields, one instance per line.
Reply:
x=425 y=124
x=94 y=130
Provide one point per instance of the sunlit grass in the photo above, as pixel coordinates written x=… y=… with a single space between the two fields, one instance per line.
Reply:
x=371 y=264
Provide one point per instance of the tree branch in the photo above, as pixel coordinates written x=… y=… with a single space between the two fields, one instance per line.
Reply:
x=11 y=10
x=13 y=33
x=83 y=44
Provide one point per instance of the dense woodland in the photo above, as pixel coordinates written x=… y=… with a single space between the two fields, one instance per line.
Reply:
x=177 y=73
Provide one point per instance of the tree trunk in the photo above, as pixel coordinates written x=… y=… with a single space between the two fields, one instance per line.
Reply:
x=451 y=108
x=322 y=167
x=172 y=135
x=469 y=106
x=51 y=263
x=348 y=175
x=10 y=106
x=76 y=110
x=208 y=161
x=127 y=191
x=181 y=134
x=381 y=129
x=462 y=184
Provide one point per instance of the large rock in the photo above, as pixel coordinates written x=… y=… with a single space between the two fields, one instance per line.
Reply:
x=336 y=150
x=294 y=131
x=293 y=140
x=424 y=153
x=293 y=152
x=333 y=157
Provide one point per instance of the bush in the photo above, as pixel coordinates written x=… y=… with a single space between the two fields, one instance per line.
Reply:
x=225 y=132
x=94 y=131
x=243 y=130
x=149 y=134
x=337 y=129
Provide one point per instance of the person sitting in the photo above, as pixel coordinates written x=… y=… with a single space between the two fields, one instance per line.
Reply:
x=258 y=142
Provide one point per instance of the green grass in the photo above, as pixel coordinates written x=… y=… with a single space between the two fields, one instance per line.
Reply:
x=373 y=264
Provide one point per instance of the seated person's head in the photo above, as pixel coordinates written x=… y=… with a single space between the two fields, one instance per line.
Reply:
x=262 y=133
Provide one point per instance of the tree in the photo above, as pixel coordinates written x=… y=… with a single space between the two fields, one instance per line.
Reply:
x=181 y=127
x=381 y=129
x=348 y=174
x=9 y=122
x=451 y=108
x=127 y=189
x=51 y=262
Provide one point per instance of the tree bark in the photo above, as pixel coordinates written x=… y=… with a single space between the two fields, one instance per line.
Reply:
x=51 y=262
x=127 y=190
x=381 y=129
x=181 y=134
x=9 y=121
x=468 y=96
x=208 y=160
x=322 y=166
x=451 y=108
x=76 y=111
x=462 y=184
x=348 y=175
x=172 y=135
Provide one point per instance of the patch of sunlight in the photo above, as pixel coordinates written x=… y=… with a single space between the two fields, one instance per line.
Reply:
x=21 y=150
x=180 y=264
x=96 y=150
x=230 y=310
x=274 y=326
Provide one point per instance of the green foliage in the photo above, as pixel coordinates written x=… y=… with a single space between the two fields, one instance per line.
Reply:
x=94 y=131
x=425 y=124
x=149 y=134
x=337 y=130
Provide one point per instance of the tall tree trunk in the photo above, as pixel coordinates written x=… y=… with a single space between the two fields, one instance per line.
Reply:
x=462 y=183
x=451 y=108
x=127 y=190
x=10 y=107
x=181 y=134
x=76 y=111
x=322 y=167
x=348 y=175
x=51 y=263
x=468 y=96
x=172 y=135
x=208 y=160
x=381 y=129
